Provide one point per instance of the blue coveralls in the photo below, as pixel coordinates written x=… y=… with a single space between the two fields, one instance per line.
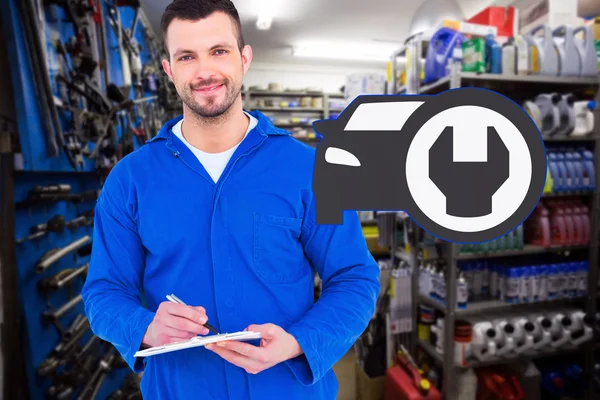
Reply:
x=244 y=248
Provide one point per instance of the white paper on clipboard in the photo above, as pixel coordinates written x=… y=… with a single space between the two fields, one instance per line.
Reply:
x=197 y=342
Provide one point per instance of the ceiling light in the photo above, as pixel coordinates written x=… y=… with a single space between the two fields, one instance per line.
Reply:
x=341 y=54
x=263 y=22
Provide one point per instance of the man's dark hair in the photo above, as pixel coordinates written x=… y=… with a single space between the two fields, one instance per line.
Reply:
x=193 y=10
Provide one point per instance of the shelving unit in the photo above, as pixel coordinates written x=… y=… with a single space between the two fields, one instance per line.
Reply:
x=312 y=113
x=517 y=88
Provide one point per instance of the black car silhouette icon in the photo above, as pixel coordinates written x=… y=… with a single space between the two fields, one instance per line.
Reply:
x=361 y=161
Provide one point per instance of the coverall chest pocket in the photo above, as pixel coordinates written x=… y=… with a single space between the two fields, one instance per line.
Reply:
x=277 y=250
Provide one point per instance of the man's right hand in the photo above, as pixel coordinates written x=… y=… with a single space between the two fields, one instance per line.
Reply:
x=174 y=323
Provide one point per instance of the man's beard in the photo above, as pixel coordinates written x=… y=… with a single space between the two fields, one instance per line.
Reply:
x=212 y=108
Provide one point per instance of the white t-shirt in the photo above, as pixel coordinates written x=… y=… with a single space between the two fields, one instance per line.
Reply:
x=214 y=163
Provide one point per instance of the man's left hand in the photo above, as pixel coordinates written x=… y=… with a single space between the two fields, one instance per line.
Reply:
x=276 y=346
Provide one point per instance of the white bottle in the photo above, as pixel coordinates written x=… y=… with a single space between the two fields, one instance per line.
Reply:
x=523 y=56
x=462 y=292
x=581 y=329
x=542 y=335
x=505 y=343
x=483 y=345
x=584 y=117
x=560 y=330
x=523 y=334
x=509 y=57
x=466 y=385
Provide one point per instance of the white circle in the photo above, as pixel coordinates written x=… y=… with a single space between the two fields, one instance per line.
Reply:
x=467 y=122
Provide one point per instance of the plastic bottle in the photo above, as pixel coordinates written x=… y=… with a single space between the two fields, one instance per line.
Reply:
x=589 y=177
x=505 y=342
x=523 y=334
x=573 y=279
x=549 y=112
x=512 y=285
x=555 y=172
x=587 y=52
x=569 y=225
x=534 y=112
x=549 y=185
x=584 y=117
x=493 y=55
x=523 y=56
x=477 y=279
x=485 y=279
x=466 y=385
x=542 y=331
x=439 y=51
x=435 y=283
x=535 y=283
x=519 y=242
x=494 y=288
x=578 y=220
x=558 y=227
x=544 y=57
x=583 y=278
x=462 y=292
x=525 y=286
x=569 y=60
x=572 y=177
x=567 y=114
x=559 y=330
x=502 y=283
x=553 y=284
x=483 y=345
x=442 y=286
x=541 y=234
x=586 y=221
x=560 y=161
x=577 y=161
x=509 y=57
x=542 y=272
x=563 y=273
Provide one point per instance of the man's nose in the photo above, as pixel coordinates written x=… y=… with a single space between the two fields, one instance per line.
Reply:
x=205 y=69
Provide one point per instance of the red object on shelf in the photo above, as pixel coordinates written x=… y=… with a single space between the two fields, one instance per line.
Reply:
x=503 y=18
x=404 y=382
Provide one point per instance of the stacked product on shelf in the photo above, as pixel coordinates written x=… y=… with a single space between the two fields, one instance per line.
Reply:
x=516 y=284
x=499 y=337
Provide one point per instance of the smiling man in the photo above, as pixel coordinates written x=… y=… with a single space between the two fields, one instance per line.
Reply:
x=218 y=209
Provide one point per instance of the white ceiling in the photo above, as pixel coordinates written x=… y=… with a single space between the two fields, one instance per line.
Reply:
x=379 y=22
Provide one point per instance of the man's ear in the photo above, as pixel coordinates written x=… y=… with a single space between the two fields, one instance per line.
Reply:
x=246 y=58
x=167 y=68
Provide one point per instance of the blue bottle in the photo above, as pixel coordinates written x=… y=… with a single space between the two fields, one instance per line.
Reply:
x=573 y=178
x=555 y=172
x=582 y=272
x=578 y=165
x=553 y=284
x=525 y=290
x=493 y=55
x=560 y=161
x=513 y=285
x=589 y=178
x=439 y=51
x=572 y=279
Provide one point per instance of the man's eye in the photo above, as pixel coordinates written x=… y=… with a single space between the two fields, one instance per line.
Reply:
x=183 y=58
x=220 y=52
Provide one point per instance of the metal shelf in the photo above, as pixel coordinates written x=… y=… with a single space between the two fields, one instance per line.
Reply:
x=494 y=305
x=498 y=80
x=474 y=363
x=305 y=109
x=527 y=250
x=257 y=93
x=518 y=88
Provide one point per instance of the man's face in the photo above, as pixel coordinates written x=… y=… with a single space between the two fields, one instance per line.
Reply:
x=205 y=63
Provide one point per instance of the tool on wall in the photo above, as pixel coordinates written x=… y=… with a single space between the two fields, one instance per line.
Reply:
x=54 y=255
x=62 y=278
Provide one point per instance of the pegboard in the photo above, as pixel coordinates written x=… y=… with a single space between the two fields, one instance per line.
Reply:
x=36 y=168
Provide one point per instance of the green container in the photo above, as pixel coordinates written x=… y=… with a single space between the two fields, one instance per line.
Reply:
x=474 y=55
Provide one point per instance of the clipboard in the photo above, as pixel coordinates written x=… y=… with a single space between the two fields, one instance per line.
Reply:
x=197 y=341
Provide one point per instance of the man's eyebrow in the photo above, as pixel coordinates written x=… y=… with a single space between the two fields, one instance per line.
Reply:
x=182 y=51
x=221 y=45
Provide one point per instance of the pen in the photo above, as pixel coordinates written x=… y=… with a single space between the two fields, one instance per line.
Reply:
x=174 y=299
